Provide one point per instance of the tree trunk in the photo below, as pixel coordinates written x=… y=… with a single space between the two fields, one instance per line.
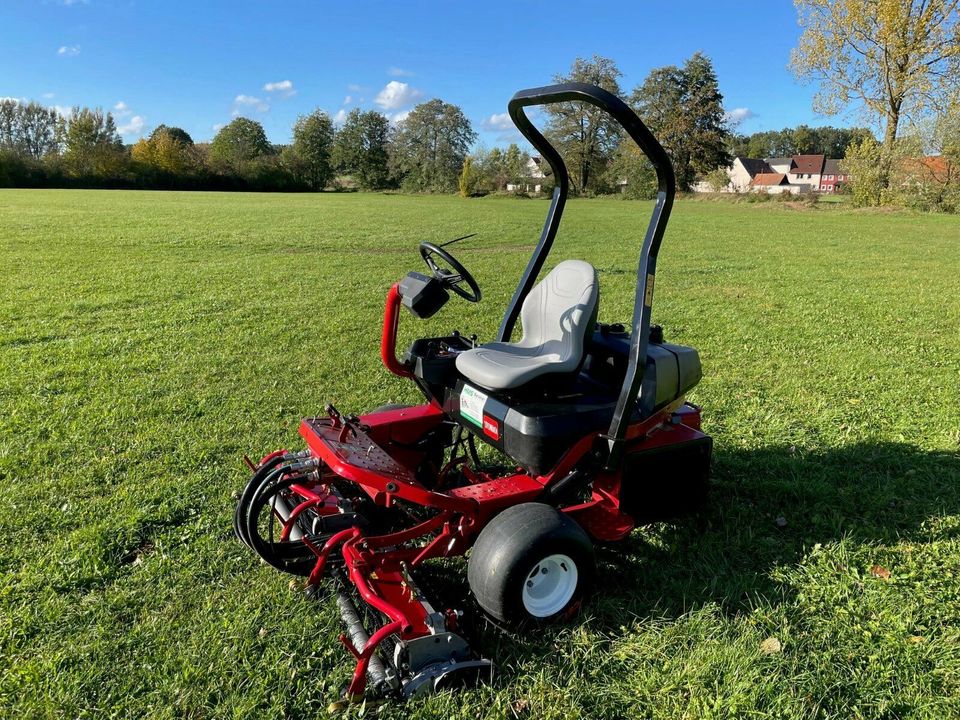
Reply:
x=889 y=141
x=890 y=133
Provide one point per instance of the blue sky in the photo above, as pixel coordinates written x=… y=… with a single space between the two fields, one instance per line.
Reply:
x=198 y=64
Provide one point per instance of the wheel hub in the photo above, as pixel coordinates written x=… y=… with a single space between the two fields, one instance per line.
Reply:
x=550 y=585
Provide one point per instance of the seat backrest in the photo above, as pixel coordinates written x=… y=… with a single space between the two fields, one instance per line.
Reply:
x=561 y=309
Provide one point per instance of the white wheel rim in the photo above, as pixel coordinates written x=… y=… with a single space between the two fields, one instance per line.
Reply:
x=549 y=585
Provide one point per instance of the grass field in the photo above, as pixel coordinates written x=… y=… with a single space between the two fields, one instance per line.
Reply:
x=149 y=340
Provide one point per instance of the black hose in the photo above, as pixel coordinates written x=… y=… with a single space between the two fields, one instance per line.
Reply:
x=243 y=501
x=291 y=556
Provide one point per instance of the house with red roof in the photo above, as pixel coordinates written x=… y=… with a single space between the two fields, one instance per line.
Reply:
x=775 y=183
x=806 y=170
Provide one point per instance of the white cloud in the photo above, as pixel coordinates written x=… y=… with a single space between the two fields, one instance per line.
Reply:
x=354 y=88
x=48 y=96
x=68 y=50
x=248 y=102
x=348 y=99
x=121 y=109
x=396 y=95
x=63 y=110
x=340 y=118
x=499 y=122
x=399 y=72
x=219 y=126
x=133 y=127
x=738 y=115
x=283 y=88
x=399 y=117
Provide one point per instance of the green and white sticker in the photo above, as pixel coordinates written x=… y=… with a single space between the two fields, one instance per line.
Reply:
x=471 y=404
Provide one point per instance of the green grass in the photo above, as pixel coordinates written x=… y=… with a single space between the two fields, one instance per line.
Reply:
x=148 y=340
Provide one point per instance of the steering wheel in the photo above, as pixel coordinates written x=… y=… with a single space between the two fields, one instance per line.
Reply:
x=454 y=276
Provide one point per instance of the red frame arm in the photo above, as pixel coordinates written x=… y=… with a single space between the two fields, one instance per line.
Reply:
x=388 y=341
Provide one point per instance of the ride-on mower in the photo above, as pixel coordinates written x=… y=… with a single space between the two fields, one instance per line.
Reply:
x=590 y=417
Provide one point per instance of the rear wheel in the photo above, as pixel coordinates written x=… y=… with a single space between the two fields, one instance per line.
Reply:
x=531 y=565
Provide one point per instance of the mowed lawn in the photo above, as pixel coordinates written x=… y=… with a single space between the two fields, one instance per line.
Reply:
x=149 y=340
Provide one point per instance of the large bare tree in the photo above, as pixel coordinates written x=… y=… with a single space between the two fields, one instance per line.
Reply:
x=899 y=58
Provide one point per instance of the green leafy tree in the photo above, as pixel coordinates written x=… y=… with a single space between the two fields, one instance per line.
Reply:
x=28 y=128
x=631 y=173
x=166 y=152
x=360 y=149
x=471 y=179
x=239 y=142
x=494 y=169
x=178 y=135
x=895 y=58
x=92 y=146
x=718 y=180
x=9 y=109
x=515 y=164
x=684 y=109
x=864 y=162
x=312 y=142
x=584 y=134
x=429 y=147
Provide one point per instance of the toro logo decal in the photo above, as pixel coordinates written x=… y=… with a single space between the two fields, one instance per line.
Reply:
x=491 y=428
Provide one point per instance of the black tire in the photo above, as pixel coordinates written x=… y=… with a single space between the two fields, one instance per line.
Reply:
x=512 y=546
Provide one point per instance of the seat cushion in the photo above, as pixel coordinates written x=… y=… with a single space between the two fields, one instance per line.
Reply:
x=556 y=316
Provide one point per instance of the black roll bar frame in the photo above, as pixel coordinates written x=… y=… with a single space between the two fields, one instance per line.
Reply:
x=666 y=189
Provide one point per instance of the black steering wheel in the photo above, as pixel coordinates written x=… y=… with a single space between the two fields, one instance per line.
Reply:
x=454 y=276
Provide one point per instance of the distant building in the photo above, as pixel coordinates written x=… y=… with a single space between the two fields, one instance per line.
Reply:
x=780 y=165
x=776 y=183
x=806 y=170
x=535 y=174
x=832 y=179
x=932 y=168
x=743 y=170
x=797 y=174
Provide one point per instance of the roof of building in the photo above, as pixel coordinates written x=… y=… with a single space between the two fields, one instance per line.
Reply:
x=832 y=167
x=772 y=178
x=812 y=164
x=778 y=161
x=754 y=166
x=935 y=166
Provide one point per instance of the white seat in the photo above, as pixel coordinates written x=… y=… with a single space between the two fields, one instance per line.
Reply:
x=556 y=316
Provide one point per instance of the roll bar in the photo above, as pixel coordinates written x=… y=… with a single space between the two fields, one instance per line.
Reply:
x=666 y=188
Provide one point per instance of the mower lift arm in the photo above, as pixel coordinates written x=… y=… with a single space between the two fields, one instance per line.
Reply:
x=666 y=188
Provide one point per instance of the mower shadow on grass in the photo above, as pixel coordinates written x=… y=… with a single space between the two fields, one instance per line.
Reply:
x=768 y=508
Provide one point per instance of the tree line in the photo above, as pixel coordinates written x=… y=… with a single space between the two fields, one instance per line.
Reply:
x=801 y=140
x=429 y=151
x=40 y=147
x=899 y=61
